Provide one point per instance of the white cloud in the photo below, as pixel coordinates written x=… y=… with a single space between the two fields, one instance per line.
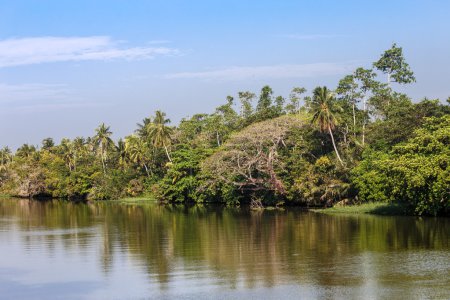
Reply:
x=36 y=50
x=311 y=36
x=33 y=98
x=272 y=72
x=25 y=92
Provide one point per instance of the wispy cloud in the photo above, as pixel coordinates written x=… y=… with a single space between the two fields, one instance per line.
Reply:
x=38 y=98
x=37 y=50
x=13 y=93
x=310 y=36
x=271 y=72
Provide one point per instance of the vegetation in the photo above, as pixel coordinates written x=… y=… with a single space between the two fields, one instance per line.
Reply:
x=375 y=208
x=361 y=142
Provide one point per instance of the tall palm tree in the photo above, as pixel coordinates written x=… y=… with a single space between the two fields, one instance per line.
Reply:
x=137 y=150
x=5 y=158
x=323 y=107
x=122 y=153
x=160 y=133
x=102 y=139
x=79 y=149
x=67 y=152
x=142 y=130
x=26 y=151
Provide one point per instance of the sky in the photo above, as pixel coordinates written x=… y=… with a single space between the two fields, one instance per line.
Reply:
x=67 y=66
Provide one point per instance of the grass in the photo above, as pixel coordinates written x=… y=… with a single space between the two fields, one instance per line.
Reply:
x=135 y=200
x=375 y=208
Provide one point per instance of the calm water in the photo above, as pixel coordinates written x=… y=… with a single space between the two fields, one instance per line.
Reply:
x=63 y=250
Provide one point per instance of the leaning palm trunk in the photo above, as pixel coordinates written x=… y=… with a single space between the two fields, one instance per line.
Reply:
x=364 y=122
x=354 y=120
x=103 y=155
x=334 y=145
x=167 y=152
x=147 y=170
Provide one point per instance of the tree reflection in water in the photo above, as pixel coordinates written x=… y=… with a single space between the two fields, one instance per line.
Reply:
x=237 y=248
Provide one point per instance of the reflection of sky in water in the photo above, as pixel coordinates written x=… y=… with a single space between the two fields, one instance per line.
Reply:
x=131 y=252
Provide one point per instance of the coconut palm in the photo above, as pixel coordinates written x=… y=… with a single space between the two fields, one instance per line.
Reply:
x=26 y=151
x=5 y=158
x=102 y=139
x=323 y=107
x=137 y=150
x=48 y=143
x=67 y=151
x=79 y=149
x=142 y=130
x=122 y=153
x=160 y=133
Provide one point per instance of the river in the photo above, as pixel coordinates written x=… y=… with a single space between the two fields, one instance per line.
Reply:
x=63 y=250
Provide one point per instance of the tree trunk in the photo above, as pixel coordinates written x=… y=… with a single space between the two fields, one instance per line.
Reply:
x=167 y=152
x=364 y=121
x=103 y=160
x=146 y=170
x=334 y=145
x=354 y=119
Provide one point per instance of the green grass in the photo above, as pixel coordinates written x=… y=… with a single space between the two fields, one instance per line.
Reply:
x=375 y=208
x=135 y=200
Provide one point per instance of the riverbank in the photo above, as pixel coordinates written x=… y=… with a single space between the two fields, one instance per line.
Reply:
x=374 y=208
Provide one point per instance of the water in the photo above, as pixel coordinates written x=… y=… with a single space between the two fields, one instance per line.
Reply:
x=62 y=250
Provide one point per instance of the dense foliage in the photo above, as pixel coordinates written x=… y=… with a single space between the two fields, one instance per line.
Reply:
x=361 y=142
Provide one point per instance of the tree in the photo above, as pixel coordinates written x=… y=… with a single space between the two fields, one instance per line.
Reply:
x=295 y=97
x=265 y=99
x=137 y=150
x=249 y=160
x=279 y=105
x=416 y=172
x=48 y=143
x=246 y=99
x=160 y=133
x=394 y=65
x=5 y=158
x=79 y=149
x=142 y=130
x=67 y=153
x=102 y=139
x=122 y=153
x=26 y=151
x=366 y=80
x=324 y=109
x=347 y=88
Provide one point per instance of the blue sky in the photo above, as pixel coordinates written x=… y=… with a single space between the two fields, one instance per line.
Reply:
x=66 y=66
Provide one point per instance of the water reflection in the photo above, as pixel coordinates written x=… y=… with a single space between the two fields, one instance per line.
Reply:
x=113 y=250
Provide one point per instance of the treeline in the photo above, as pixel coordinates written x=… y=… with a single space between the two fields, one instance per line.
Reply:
x=362 y=141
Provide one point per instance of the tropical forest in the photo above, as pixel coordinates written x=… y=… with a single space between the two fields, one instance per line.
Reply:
x=361 y=141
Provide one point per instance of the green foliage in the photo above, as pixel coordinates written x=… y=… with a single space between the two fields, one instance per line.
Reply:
x=394 y=65
x=182 y=181
x=416 y=172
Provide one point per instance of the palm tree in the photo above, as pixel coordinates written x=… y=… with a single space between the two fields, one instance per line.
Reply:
x=323 y=108
x=67 y=151
x=142 y=130
x=48 y=143
x=137 y=150
x=5 y=158
x=159 y=133
x=103 y=140
x=122 y=153
x=26 y=151
x=79 y=149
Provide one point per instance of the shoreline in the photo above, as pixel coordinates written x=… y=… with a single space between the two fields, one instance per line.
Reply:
x=372 y=208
